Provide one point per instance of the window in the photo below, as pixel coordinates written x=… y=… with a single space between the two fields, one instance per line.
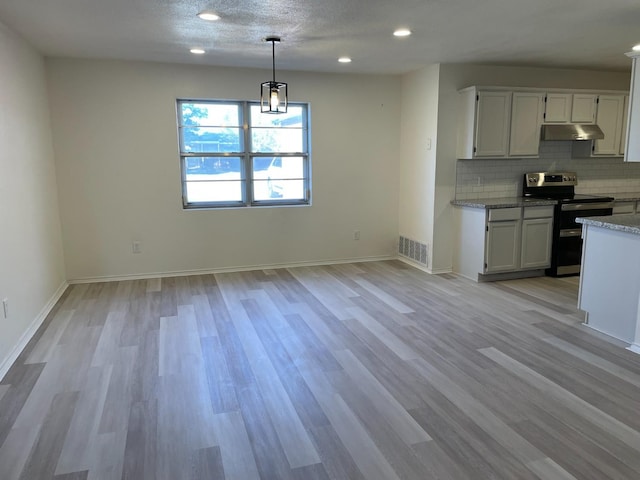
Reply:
x=232 y=155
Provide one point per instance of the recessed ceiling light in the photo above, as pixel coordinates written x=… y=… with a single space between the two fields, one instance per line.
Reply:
x=636 y=48
x=344 y=60
x=197 y=51
x=402 y=32
x=209 y=15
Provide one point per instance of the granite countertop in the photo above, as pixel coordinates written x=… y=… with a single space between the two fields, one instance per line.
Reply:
x=503 y=202
x=620 y=223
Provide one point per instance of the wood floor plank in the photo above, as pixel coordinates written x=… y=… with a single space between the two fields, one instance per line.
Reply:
x=384 y=296
x=547 y=468
x=595 y=360
x=207 y=464
x=56 y=377
x=23 y=378
x=222 y=392
x=364 y=371
x=391 y=340
x=237 y=457
x=370 y=461
x=386 y=404
x=154 y=285
x=73 y=476
x=4 y=389
x=46 y=450
x=336 y=459
x=44 y=348
x=609 y=424
x=15 y=451
x=140 y=448
x=295 y=441
x=76 y=453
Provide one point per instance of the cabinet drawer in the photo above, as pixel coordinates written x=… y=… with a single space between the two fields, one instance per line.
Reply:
x=543 y=211
x=501 y=214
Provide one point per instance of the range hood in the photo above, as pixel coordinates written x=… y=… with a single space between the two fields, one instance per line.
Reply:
x=571 y=131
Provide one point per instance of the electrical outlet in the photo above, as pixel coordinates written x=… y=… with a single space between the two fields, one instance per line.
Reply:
x=136 y=247
x=5 y=307
x=356 y=234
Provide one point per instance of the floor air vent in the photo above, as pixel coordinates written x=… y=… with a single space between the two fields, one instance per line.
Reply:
x=414 y=250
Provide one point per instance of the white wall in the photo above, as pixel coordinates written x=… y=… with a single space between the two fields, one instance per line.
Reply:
x=115 y=140
x=418 y=169
x=454 y=77
x=31 y=261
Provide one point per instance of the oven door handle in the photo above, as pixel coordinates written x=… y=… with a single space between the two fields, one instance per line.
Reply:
x=585 y=206
x=574 y=232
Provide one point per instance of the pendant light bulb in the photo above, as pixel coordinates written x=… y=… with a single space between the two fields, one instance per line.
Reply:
x=274 y=100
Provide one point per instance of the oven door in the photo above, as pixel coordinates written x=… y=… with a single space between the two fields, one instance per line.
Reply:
x=569 y=251
x=568 y=241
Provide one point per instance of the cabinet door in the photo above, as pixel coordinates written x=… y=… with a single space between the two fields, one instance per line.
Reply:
x=492 y=124
x=583 y=109
x=526 y=118
x=609 y=119
x=536 y=242
x=502 y=246
x=625 y=117
x=558 y=108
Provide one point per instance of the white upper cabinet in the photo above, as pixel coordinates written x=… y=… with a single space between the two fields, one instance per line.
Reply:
x=558 y=108
x=583 y=109
x=570 y=108
x=527 y=112
x=492 y=124
x=502 y=122
x=609 y=117
x=483 y=123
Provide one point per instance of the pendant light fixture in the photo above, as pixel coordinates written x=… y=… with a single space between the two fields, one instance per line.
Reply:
x=273 y=95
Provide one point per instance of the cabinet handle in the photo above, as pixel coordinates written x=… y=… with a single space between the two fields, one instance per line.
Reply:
x=571 y=233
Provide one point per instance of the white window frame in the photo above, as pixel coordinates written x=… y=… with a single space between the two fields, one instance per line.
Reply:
x=246 y=155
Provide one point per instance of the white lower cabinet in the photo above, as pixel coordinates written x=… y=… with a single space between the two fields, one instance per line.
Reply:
x=502 y=242
x=536 y=242
x=515 y=239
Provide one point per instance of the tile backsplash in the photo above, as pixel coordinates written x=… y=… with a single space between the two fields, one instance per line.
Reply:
x=503 y=177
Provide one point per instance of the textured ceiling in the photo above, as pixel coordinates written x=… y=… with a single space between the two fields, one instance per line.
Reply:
x=559 y=33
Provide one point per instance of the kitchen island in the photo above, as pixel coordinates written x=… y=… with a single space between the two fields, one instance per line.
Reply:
x=610 y=278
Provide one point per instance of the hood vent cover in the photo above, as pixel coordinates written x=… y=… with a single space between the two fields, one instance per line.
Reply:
x=573 y=131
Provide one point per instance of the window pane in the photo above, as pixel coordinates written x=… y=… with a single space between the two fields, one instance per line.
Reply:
x=213 y=179
x=210 y=114
x=211 y=139
x=293 y=117
x=283 y=179
x=276 y=140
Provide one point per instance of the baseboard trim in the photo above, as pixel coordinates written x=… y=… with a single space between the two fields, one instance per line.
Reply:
x=6 y=364
x=422 y=267
x=208 y=271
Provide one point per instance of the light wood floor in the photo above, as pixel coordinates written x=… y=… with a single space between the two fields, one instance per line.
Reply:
x=360 y=371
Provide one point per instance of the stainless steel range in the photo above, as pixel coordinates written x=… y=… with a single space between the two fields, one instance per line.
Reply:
x=566 y=249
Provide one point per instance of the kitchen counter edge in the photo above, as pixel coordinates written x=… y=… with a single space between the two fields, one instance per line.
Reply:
x=620 y=223
x=503 y=202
